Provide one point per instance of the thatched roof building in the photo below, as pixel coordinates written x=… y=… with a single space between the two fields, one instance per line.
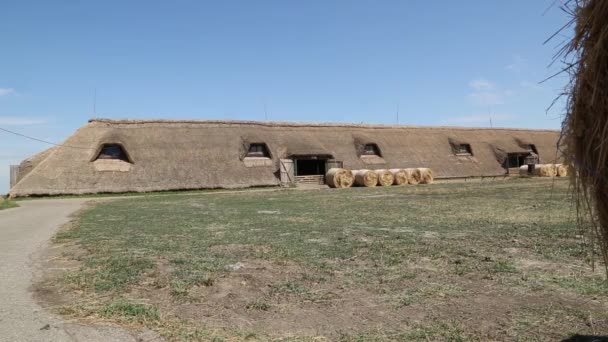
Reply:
x=155 y=155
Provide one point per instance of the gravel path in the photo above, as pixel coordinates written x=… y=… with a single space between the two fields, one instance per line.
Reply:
x=24 y=235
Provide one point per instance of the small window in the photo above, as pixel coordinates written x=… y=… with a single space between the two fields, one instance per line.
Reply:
x=371 y=150
x=112 y=151
x=258 y=150
x=464 y=149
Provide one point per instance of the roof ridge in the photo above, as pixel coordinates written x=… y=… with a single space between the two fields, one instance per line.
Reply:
x=302 y=124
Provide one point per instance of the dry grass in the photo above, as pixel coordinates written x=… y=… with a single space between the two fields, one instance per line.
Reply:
x=463 y=261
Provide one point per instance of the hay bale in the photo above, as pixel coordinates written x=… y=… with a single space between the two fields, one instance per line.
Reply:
x=540 y=170
x=366 y=178
x=545 y=170
x=426 y=175
x=385 y=177
x=339 y=178
x=413 y=176
x=562 y=170
x=399 y=176
x=523 y=171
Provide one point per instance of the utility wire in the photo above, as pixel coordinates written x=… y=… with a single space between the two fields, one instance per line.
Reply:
x=42 y=141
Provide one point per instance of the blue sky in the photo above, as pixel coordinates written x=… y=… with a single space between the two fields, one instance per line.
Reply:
x=434 y=62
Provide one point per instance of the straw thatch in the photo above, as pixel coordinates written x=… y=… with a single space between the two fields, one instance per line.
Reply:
x=339 y=178
x=29 y=164
x=585 y=128
x=385 y=177
x=413 y=176
x=399 y=176
x=366 y=178
x=426 y=176
x=562 y=170
x=175 y=155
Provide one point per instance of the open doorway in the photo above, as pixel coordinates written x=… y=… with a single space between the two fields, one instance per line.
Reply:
x=515 y=160
x=310 y=167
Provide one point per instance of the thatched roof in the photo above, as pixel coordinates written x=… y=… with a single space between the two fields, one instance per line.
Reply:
x=188 y=154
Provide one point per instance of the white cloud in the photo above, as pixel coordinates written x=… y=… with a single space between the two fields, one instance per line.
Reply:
x=480 y=118
x=518 y=64
x=485 y=93
x=21 y=121
x=7 y=91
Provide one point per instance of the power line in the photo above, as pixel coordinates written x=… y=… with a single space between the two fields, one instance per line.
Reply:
x=42 y=141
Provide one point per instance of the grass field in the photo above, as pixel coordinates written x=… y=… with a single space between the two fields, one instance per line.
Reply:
x=6 y=204
x=458 y=262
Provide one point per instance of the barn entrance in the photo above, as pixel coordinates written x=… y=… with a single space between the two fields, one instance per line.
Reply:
x=310 y=169
x=515 y=160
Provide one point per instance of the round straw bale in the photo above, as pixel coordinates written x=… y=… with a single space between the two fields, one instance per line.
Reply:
x=540 y=170
x=367 y=178
x=385 y=177
x=545 y=170
x=339 y=178
x=562 y=170
x=426 y=175
x=551 y=170
x=523 y=171
x=400 y=176
x=413 y=176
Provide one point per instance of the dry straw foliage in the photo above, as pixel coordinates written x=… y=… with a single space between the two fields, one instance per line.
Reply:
x=585 y=127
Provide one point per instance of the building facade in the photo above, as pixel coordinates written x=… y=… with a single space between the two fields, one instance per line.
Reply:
x=112 y=156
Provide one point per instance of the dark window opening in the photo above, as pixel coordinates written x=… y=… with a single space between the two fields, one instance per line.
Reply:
x=258 y=150
x=112 y=151
x=464 y=149
x=371 y=150
x=310 y=167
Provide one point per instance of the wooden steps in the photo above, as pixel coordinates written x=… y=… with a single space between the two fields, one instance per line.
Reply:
x=315 y=179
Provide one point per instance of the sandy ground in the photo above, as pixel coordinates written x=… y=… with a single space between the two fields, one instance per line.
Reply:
x=24 y=236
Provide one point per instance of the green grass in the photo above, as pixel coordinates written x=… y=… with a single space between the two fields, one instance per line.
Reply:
x=454 y=253
x=6 y=204
x=124 y=309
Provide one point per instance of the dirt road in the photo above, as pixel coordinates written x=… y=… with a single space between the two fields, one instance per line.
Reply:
x=24 y=235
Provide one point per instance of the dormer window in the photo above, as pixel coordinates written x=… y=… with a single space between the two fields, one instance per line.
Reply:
x=464 y=149
x=258 y=150
x=113 y=152
x=371 y=150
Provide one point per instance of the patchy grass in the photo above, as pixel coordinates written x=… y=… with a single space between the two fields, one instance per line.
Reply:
x=126 y=310
x=6 y=204
x=459 y=261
